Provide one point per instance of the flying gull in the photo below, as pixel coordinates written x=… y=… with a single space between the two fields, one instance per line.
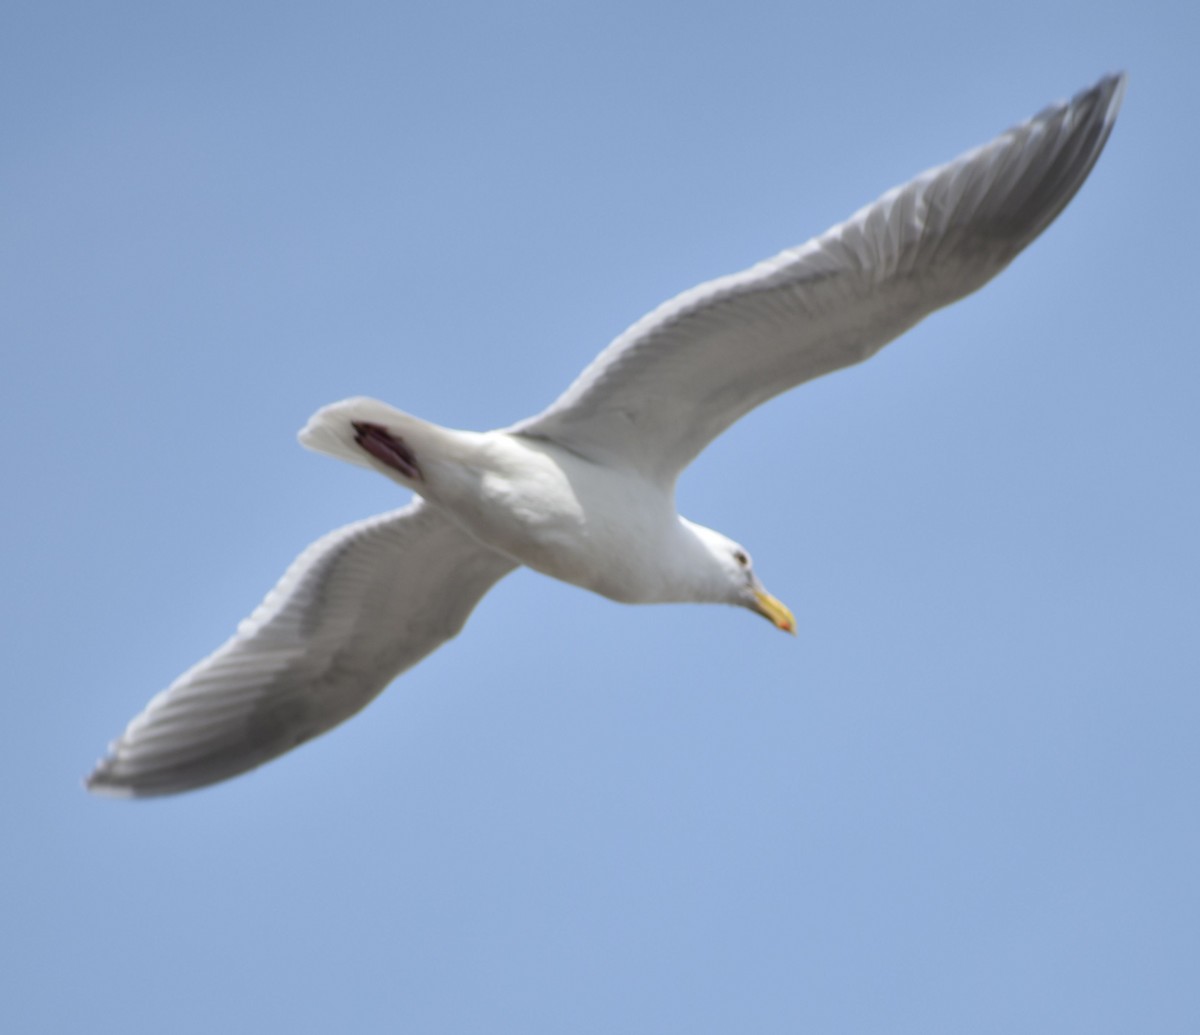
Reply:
x=585 y=490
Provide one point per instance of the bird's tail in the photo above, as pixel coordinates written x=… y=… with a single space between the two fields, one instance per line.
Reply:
x=337 y=429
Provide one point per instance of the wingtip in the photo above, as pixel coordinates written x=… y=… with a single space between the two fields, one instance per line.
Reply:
x=99 y=782
x=1110 y=89
x=1120 y=82
x=1098 y=103
x=106 y=779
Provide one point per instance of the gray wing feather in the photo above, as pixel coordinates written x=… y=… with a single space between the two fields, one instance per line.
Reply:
x=354 y=610
x=680 y=376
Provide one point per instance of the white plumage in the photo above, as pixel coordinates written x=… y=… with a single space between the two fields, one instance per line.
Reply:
x=584 y=491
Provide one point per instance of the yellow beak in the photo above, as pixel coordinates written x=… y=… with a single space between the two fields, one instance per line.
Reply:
x=775 y=610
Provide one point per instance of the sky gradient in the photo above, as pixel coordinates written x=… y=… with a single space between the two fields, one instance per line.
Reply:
x=964 y=799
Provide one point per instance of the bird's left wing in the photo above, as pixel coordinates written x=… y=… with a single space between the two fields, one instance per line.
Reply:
x=354 y=610
x=680 y=376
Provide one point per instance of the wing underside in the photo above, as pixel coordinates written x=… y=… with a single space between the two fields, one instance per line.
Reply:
x=353 y=611
x=680 y=376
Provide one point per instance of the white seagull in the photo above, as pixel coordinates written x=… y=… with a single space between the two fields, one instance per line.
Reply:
x=585 y=491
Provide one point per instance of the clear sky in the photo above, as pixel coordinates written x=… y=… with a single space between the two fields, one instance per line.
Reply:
x=965 y=799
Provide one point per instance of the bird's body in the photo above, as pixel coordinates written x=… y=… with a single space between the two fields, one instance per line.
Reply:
x=611 y=530
x=585 y=491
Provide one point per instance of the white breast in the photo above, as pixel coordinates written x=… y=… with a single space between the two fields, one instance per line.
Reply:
x=606 y=529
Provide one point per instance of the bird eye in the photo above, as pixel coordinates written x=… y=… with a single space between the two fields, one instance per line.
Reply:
x=741 y=558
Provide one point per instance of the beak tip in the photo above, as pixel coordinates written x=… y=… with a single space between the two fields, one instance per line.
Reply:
x=775 y=611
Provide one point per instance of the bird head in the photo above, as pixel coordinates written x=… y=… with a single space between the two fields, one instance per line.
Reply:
x=738 y=583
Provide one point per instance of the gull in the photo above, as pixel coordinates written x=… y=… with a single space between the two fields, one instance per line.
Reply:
x=585 y=491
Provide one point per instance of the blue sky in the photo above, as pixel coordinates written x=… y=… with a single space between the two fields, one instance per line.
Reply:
x=964 y=799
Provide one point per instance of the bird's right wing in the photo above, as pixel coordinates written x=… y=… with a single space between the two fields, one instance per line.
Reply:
x=680 y=376
x=355 y=609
